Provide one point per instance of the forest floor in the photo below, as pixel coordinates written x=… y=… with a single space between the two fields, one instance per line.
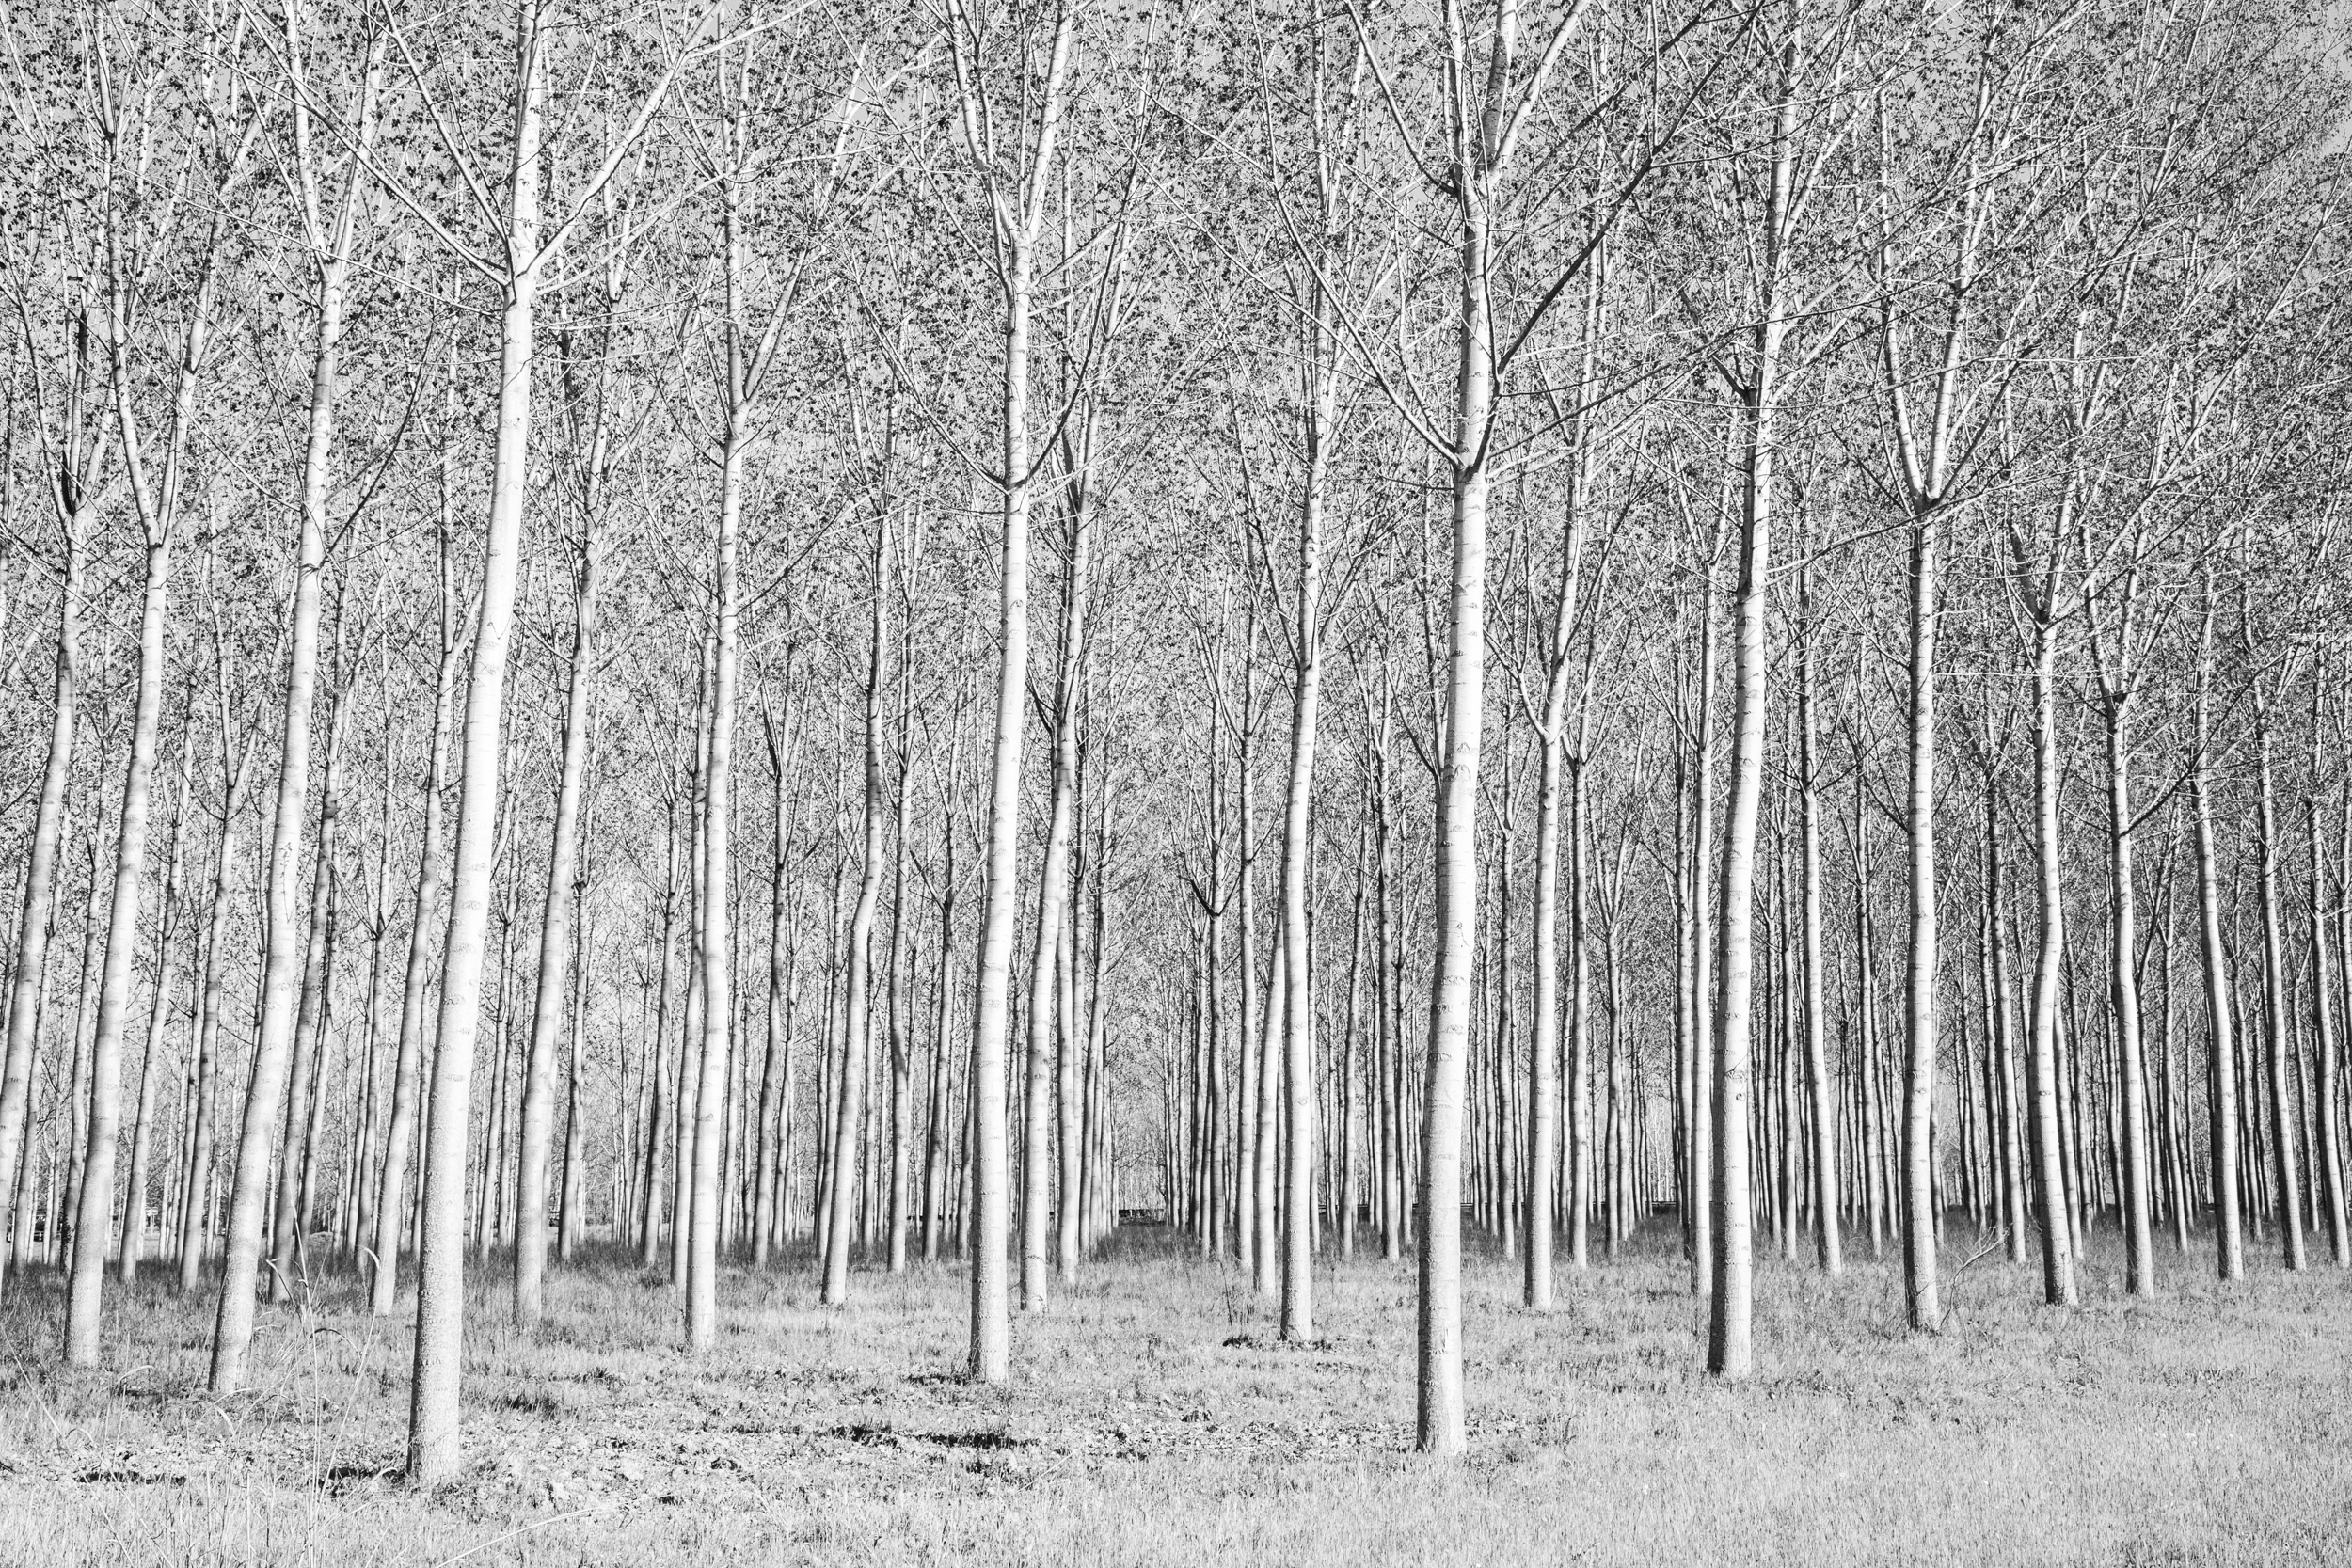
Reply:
x=1152 y=1420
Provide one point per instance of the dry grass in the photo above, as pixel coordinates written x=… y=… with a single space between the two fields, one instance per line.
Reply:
x=1150 y=1421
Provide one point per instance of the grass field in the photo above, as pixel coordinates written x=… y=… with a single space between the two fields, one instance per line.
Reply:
x=1152 y=1419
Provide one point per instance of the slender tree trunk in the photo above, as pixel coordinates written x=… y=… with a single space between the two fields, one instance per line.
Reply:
x=1730 y=1350
x=2003 y=1025
x=157 y=505
x=1351 y=1074
x=1543 y=1153
x=660 y=1064
x=167 y=923
x=1250 y=1193
x=2277 y=1028
x=901 y=994
x=2139 y=1237
x=1699 y=1005
x=1580 y=1118
x=775 y=1068
x=1828 y=1200
x=746 y=365
x=1921 y=1208
x=1543 y=1158
x=361 y=1168
x=1069 y=1067
x=991 y=1324
x=29 y=987
x=935 y=1158
x=304 y=1074
x=555 y=939
x=1441 y=1414
x=1038 y=1151
x=686 y=1099
x=392 y=1208
x=434 y=1449
x=196 y=1191
x=232 y=1332
x=1298 y=1010
x=1019 y=211
x=2057 y=1249
x=572 y=1217
x=1873 y=1172
x=849 y=1111
x=2332 y=1173
x=95 y=1211
x=702 y=1119
x=331 y=255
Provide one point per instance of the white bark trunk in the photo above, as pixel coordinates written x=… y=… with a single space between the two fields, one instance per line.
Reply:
x=555 y=941
x=1920 y=1201
x=2058 y=1246
x=41 y=877
x=435 y=1448
x=1442 y=1413
x=391 y=1207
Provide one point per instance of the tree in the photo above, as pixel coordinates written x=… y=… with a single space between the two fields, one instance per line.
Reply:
x=330 y=228
x=1015 y=180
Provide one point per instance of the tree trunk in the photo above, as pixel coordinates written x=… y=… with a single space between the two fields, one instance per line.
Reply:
x=1921 y=1209
x=1730 y=1350
x=2277 y=1029
x=435 y=1449
x=686 y=1098
x=1579 y=1064
x=1543 y=1130
x=1298 y=1010
x=935 y=1157
x=2139 y=1248
x=572 y=1217
x=29 y=985
x=699 y=1171
x=849 y=1111
x=1698 y=1132
x=2057 y=1249
x=775 y=1068
x=661 y=1064
x=304 y=1076
x=1543 y=1156
x=1047 y=960
x=555 y=939
x=1441 y=1415
x=1018 y=212
x=196 y=1191
x=2332 y=1174
x=95 y=1211
x=360 y=1165
x=170 y=913
x=392 y=1208
x=2004 y=1037
x=901 y=994
x=282 y=982
x=1250 y=1193
x=1823 y=1100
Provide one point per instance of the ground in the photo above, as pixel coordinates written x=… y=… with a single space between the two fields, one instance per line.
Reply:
x=1152 y=1420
